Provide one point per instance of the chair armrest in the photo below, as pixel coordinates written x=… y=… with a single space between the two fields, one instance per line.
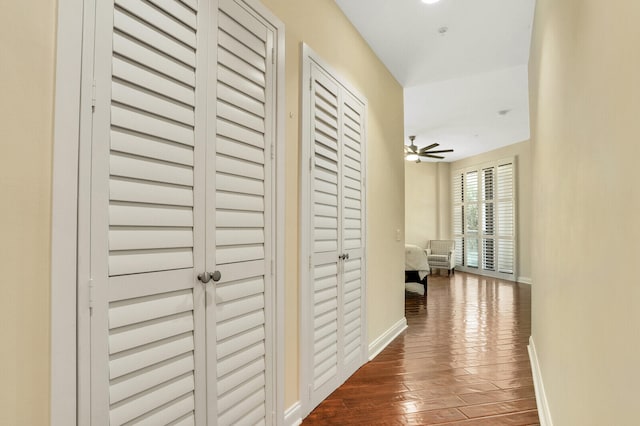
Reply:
x=427 y=251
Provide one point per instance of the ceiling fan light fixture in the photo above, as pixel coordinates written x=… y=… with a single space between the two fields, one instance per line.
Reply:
x=412 y=157
x=430 y=1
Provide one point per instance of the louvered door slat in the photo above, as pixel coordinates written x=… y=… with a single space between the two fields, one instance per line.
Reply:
x=145 y=33
x=125 y=412
x=150 y=377
x=134 y=97
x=149 y=147
x=235 y=72
x=160 y=63
x=172 y=413
x=160 y=19
x=130 y=72
x=152 y=170
x=147 y=215
x=144 y=123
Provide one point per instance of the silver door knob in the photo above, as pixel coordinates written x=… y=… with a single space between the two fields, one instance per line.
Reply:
x=204 y=277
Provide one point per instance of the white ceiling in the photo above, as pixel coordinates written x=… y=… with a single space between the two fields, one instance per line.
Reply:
x=454 y=83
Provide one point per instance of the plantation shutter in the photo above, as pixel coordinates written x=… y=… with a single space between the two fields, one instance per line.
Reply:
x=471 y=219
x=506 y=219
x=488 y=219
x=458 y=216
x=244 y=113
x=147 y=313
x=483 y=217
x=353 y=234
x=326 y=246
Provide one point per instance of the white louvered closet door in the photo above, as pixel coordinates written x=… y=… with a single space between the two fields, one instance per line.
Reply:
x=352 y=234
x=240 y=342
x=325 y=244
x=181 y=184
x=335 y=295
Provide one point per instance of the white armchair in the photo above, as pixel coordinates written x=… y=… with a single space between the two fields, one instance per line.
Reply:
x=441 y=255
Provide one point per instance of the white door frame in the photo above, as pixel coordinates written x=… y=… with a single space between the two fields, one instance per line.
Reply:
x=308 y=56
x=72 y=96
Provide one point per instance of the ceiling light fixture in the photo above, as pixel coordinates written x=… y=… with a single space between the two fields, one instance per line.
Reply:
x=430 y=1
x=412 y=157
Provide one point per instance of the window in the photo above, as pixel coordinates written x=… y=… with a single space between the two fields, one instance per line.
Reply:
x=484 y=218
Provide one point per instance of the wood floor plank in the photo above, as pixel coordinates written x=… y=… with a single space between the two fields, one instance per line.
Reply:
x=462 y=361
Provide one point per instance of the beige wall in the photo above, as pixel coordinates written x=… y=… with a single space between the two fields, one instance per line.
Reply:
x=421 y=202
x=327 y=31
x=427 y=199
x=522 y=152
x=585 y=105
x=27 y=39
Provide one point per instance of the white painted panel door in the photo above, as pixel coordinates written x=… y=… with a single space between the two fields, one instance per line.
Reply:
x=181 y=184
x=325 y=295
x=353 y=232
x=239 y=198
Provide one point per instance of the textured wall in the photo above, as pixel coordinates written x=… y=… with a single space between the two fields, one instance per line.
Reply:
x=585 y=104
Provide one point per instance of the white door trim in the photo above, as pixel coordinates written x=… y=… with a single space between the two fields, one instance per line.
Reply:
x=64 y=220
x=308 y=56
x=70 y=42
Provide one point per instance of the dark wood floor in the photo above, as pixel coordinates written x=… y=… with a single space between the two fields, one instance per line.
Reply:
x=462 y=361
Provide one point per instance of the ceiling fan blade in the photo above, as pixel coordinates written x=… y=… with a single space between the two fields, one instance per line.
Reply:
x=432 y=156
x=406 y=149
x=427 y=148
x=439 y=151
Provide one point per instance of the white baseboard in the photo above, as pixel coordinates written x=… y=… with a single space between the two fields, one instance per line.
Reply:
x=293 y=415
x=541 y=397
x=387 y=337
x=524 y=280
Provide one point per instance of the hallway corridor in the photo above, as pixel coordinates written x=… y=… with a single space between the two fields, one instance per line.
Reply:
x=462 y=361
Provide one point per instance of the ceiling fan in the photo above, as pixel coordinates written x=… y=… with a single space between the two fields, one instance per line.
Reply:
x=412 y=153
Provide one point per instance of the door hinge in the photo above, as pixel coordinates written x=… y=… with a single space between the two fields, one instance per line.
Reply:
x=311 y=84
x=273 y=152
x=310 y=163
x=273 y=56
x=93 y=96
x=310 y=262
x=310 y=391
x=91 y=300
